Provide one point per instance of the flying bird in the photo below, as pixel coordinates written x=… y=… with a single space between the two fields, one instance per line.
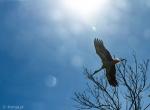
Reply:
x=108 y=62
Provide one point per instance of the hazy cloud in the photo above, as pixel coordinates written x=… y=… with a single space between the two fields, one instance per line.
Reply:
x=77 y=61
x=147 y=3
x=147 y=34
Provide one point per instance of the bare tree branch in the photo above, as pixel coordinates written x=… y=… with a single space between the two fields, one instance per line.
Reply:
x=100 y=95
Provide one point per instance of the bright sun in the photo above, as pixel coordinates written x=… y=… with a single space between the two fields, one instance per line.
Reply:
x=84 y=9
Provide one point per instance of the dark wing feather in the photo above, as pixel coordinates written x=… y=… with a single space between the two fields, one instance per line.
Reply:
x=106 y=57
x=111 y=76
x=102 y=51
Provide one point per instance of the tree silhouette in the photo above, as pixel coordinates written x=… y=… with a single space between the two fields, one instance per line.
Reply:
x=129 y=95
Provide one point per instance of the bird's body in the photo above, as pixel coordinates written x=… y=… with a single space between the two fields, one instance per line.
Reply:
x=108 y=62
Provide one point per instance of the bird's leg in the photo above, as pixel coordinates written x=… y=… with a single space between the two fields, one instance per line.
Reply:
x=97 y=70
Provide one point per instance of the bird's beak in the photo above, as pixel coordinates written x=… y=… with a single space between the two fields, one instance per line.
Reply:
x=123 y=59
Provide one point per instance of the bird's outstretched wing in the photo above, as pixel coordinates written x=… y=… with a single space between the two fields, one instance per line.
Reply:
x=102 y=51
x=106 y=57
x=111 y=76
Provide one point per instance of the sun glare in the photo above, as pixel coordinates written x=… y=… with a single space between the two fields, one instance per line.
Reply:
x=84 y=9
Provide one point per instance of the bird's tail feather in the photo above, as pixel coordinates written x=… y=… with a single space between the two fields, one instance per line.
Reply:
x=113 y=82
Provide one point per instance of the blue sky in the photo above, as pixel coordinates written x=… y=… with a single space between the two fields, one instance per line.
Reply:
x=45 y=44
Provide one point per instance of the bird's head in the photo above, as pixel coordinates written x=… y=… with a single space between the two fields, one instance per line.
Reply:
x=117 y=60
